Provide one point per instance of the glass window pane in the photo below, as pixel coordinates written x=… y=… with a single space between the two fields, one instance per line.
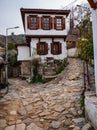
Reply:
x=46 y=22
x=33 y=22
x=59 y=23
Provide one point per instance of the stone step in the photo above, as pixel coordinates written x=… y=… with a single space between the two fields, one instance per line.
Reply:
x=49 y=77
x=49 y=65
x=49 y=69
x=50 y=73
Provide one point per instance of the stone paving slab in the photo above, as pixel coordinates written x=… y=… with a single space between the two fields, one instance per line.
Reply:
x=51 y=106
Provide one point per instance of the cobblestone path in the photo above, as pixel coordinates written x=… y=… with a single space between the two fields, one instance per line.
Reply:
x=51 y=106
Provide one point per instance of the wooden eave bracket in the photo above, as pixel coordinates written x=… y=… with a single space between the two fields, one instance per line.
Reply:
x=96 y=5
x=92 y=4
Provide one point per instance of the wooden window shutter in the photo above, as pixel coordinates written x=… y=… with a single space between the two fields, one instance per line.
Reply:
x=37 y=22
x=52 y=48
x=55 y=23
x=44 y=51
x=60 y=48
x=46 y=48
x=50 y=22
x=38 y=48
x=63 y=23
x=28 y=22
x=42 y=22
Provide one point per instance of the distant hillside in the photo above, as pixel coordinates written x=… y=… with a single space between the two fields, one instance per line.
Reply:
x=12 y=39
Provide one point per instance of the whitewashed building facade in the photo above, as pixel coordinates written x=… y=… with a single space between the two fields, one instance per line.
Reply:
x=45 y=32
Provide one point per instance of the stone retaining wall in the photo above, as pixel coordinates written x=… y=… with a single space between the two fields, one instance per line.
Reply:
x=91 y=109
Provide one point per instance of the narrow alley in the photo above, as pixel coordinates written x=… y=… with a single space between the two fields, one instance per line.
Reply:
x=55 y=105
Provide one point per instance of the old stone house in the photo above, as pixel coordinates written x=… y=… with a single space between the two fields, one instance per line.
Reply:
x=45 y=31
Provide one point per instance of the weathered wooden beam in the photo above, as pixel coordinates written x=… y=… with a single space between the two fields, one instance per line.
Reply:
x=96 y=5
x=92 y=4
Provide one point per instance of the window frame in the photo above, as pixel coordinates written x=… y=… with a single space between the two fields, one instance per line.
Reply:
x=56 y=22
x=30 y=22
x=49 y=23
x=53 y=47
x=42 y=50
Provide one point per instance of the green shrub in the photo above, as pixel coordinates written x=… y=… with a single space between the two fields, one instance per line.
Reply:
x=62 y=64
x=91 y=128
x=82 y=101
x=36 y=76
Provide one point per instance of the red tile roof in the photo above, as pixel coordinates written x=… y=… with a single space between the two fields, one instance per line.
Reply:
x=72 y=38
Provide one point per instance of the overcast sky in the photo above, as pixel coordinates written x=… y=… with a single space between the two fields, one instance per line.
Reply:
x=10 y=11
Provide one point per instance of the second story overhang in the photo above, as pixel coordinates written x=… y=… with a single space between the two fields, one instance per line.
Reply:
x=43 y=11
x=52 y=14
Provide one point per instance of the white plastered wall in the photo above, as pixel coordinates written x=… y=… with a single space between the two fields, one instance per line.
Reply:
x=72 y=52
x=34 y=41
x=23 y=53
x=94 y=25
x=45 y=32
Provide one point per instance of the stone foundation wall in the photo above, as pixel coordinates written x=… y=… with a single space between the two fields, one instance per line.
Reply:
x=49 y=68
x=91 y=109
x=25 y=68
x=14 y=71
